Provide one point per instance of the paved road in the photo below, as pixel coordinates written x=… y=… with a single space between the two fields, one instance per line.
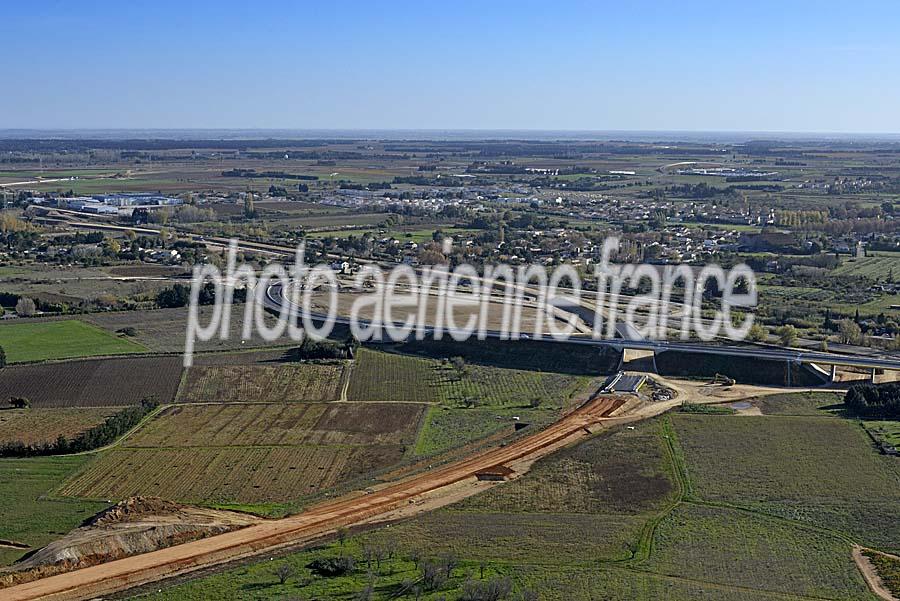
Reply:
x=275 y=299
x=627 y=339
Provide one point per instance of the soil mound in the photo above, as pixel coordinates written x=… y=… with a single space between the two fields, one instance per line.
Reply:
x=135 y=525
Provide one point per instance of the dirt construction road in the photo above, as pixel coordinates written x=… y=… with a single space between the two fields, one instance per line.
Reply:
x=320 y=520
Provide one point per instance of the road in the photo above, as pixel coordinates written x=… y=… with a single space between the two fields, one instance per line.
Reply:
x=627 y=340
x=323 y=519
x=274 y=299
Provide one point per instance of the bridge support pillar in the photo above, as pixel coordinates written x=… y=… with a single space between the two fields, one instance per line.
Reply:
x=833 y=377
x=872 y=376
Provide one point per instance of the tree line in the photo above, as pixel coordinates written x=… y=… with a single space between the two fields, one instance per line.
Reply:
x=874 y=400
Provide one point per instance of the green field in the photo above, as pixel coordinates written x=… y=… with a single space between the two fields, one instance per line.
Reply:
x=30 y=512
x=475 y=404
x=37 y=341
x=740 y=549
x=266 y=383
x=818 y=471
x=800 y=403
x=446 y=428
x=880 y=266
x=885 y=431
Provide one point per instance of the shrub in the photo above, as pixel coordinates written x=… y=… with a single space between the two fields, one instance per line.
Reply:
x=492 y=590
x=330 y=567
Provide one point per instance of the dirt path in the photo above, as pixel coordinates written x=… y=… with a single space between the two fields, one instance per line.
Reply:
x=410 y=494
x=403 y=498
x=868 y=571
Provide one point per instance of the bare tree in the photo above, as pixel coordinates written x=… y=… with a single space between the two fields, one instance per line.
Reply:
x=283 y=572
x=432 y=575
x=450 y=562
x=415 y=556
x=491 y=590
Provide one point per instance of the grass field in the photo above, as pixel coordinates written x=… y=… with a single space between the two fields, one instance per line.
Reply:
x=800 y=403
x=553 y=583
x=620 y=472
x=739 y=549
x=447 y=428
x=93 y=382
x=163 y=330
x=38 y=426
x=822 y=472
x=36 y=341
x=251 y=453
x=30 y=513
x=268 y=383
x=888 y=569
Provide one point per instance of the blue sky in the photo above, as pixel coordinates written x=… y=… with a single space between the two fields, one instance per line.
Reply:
x=708 y=66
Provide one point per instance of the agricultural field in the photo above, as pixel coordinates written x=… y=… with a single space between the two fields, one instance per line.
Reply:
x=388 y=377
x=880 y=266
x=38 y=341
x=74 y=286
x=39 y=426
x=227 y=475
x=280 y=424
x=32 y=514
x=821 y=472
x=93 y=382
x=144 y=270
x=623 y=471
x=264 y=383
x=553 y=583
x=888 y=568
x=251 y=453
x=379 y=376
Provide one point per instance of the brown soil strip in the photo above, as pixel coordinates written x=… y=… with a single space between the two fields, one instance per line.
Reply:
x=868 y=571
x=125 y=573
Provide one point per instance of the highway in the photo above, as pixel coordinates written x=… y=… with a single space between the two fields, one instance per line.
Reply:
x=626 y=340
x=274 y=299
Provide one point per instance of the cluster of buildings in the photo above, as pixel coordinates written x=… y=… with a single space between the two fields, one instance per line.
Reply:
x=108 y=204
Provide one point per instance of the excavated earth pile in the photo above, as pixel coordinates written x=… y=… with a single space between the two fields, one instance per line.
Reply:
x=133 y=526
